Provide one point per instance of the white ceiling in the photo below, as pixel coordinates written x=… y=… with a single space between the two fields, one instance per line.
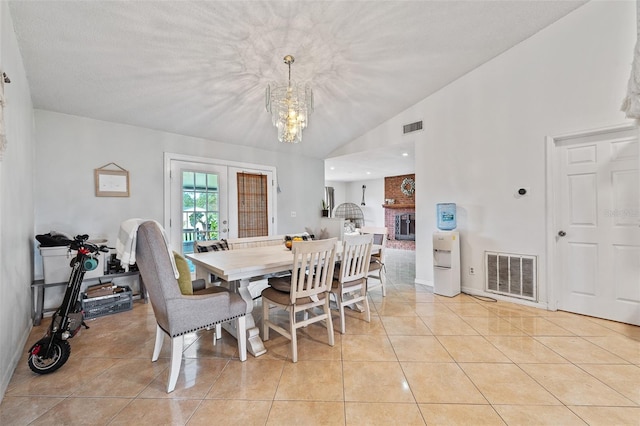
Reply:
x=200 y=68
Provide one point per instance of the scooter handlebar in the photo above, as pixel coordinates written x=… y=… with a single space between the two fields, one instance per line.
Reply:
x=81 y=241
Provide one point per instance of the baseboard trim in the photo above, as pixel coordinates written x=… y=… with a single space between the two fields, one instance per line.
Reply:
x=425 y=283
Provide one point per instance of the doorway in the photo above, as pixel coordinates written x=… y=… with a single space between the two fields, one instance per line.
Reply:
x=594 y=217
x=203 y=195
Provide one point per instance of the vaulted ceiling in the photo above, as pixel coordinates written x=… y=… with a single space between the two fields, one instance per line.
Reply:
x=200 y=68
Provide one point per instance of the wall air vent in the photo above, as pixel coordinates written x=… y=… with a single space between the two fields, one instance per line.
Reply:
x=412 y=127
x=513 y=275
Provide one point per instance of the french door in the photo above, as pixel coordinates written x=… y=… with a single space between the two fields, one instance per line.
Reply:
x=208 y=199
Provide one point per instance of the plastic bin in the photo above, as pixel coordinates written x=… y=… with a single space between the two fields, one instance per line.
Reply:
x=107 y=305
x=56 y=264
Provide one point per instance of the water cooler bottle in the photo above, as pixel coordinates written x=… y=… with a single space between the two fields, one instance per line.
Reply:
x=446 y=263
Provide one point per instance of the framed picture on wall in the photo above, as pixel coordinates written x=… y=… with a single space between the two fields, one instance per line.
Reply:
x=111 y=183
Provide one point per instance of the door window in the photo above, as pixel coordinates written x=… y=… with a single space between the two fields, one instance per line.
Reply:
x=200 y=208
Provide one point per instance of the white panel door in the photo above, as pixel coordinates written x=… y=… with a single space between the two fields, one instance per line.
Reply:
x=597 y=218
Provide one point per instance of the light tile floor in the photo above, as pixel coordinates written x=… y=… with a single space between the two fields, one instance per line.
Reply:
x=423 y=359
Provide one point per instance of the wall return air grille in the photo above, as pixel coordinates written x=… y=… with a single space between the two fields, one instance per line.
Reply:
x=412 y=127
x=513 y=275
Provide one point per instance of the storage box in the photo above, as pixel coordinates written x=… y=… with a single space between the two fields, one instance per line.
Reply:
x=98 y=290
x=56 y=264
x=106 y=305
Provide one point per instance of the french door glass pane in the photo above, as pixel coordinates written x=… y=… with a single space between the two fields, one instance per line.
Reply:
x=200 y=208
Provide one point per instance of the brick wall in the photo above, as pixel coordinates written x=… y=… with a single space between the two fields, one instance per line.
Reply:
x=392 y=189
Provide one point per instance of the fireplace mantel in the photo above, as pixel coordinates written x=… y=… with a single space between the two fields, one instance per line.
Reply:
x=399 y=206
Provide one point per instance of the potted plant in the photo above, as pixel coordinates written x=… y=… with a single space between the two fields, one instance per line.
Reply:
x=325 y=209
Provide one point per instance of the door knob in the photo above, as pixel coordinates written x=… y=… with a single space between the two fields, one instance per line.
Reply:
x=562 y=233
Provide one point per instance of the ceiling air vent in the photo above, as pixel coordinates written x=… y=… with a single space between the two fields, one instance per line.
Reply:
x=412 y=127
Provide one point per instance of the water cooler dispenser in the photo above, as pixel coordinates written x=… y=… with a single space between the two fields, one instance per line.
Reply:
x=446 y=263
x=446 y=215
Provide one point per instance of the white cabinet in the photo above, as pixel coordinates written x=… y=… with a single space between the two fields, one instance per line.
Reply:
x=446 y=263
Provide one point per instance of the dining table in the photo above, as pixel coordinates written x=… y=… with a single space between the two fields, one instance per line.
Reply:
x=238 y=267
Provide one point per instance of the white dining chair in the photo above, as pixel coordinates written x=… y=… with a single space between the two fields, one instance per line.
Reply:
x=304 y=290
x=377 y=269
x=350 y=281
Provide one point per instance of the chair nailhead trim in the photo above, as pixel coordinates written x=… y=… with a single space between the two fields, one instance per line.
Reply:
x=207 y=326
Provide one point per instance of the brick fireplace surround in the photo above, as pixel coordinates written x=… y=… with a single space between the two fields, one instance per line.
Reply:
x=402 y=204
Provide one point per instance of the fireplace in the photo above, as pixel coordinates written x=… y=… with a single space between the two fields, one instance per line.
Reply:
x=400 y=212
x=405 y=226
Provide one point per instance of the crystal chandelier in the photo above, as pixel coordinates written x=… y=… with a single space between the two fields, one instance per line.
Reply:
x=290 y=106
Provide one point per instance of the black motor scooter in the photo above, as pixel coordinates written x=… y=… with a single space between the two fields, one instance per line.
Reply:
x=53 y=350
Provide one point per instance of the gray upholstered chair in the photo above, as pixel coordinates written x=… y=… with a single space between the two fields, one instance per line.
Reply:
x=176 y=314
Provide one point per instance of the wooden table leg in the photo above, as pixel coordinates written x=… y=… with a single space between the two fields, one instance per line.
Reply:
x=255 y=346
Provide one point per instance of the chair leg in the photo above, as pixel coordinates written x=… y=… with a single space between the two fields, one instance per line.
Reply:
x=382 y=281
x=242 y=337
x=158 y=345
x=366 y=302
x=265 y=319
x=294 y=335
x=341 y=309
x=177 y=344
x=327 y=311
x=217 y=333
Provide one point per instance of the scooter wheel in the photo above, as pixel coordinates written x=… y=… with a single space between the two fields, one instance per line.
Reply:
x=40 y=363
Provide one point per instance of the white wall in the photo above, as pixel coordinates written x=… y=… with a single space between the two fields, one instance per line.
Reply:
x=374 y=198
x=16 y=207
x=351 y=192
x=69 y=148
x=485 y=133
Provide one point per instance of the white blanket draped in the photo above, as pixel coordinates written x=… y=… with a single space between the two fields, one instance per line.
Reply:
x=127 y=239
